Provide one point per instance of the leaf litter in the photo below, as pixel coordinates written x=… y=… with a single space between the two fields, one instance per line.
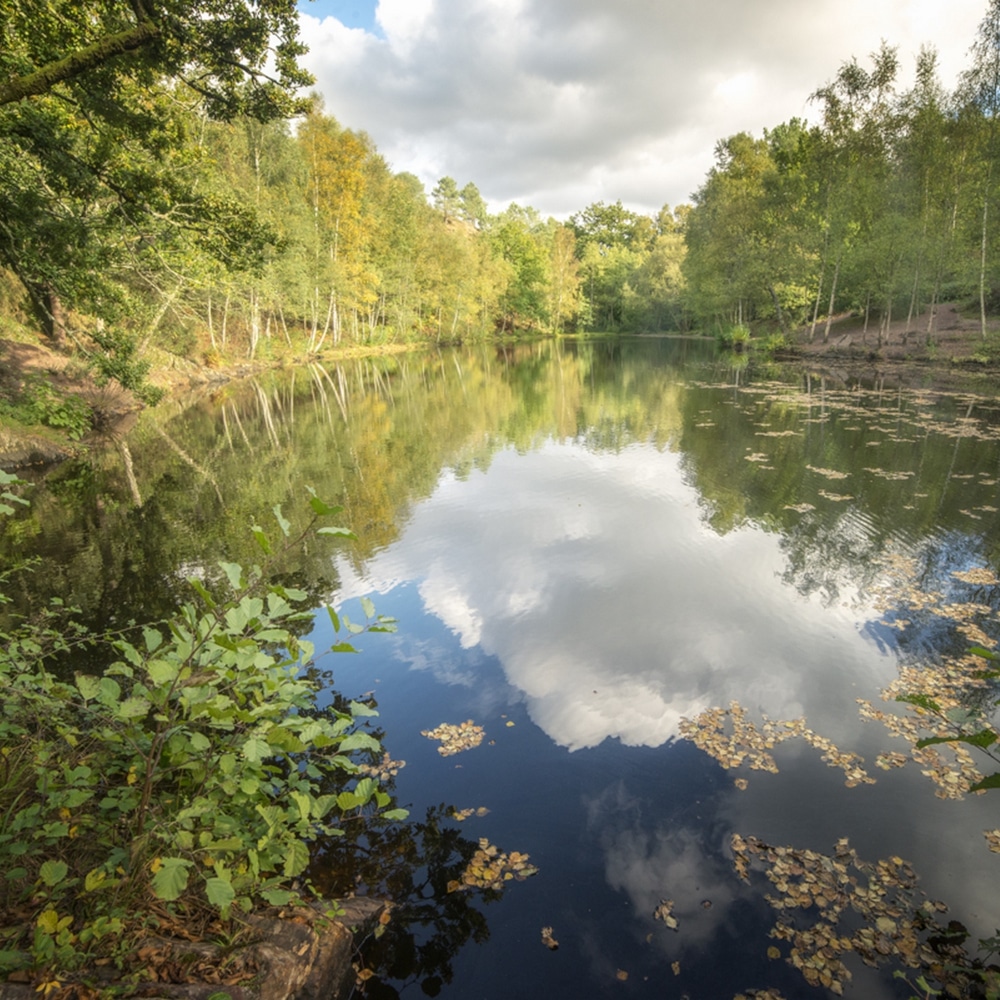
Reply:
x=489 y=868
x=727 y=735
x=454 y=739
x=819 y=898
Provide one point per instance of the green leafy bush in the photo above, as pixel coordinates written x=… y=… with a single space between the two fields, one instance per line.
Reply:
x=735 y=337
x=40 y=402
x=188 y=779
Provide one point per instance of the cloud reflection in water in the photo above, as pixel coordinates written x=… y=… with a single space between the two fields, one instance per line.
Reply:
x=611 y=605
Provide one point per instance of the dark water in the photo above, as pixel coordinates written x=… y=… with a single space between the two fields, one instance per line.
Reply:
x=584 y=545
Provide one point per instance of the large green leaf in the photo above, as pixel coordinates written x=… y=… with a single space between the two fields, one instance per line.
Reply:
x=983 y=739
x=162 y=672
x=53 y=872
x=171 y=878
x=220 y=892
x=89 y=687
x=993 y=781
x=255 y=749
x=359 y=741
x=296 y=858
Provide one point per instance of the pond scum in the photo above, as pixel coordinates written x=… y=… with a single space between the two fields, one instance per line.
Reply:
x=820 y=899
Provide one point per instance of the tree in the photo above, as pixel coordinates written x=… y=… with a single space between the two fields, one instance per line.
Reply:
x=980 y=90
x=216 y=48
x=99 y=165
x=446 y=197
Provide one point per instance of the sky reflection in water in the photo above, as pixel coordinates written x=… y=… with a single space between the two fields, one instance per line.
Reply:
x=583 y=593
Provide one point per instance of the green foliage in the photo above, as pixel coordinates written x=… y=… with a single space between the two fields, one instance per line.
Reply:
x=735 y=337
x=963 y=723
x=117 y=359
x=40 y=402
x=191 y=775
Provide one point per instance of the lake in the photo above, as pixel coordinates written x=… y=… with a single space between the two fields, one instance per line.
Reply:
x=674 y=595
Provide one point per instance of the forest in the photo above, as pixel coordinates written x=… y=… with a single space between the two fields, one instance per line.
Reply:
x=168 y=183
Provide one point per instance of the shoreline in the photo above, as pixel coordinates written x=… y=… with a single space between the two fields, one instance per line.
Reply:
x=954 y=359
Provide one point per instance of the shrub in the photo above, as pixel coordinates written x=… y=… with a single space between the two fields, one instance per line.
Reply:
x=735 y=337
x=40 y=402
x=187 y=780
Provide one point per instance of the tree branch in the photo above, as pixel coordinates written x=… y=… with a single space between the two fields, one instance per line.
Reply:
x=73 y=65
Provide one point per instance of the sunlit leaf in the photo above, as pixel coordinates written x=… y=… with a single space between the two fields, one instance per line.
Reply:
x=234 y=573
x=338 y=532
x=296 y=858
x=220 y=892
x=53 y=872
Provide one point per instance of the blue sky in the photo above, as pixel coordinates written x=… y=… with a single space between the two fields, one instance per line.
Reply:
x=350 y=13
x=561 y=103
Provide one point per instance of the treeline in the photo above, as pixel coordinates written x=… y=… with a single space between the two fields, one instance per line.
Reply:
x=218 y=215
x=885 y=209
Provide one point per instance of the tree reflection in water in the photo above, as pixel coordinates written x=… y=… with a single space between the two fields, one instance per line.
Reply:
x=410 y=864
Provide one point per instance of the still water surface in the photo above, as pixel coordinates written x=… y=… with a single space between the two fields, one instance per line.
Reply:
x=584 y=545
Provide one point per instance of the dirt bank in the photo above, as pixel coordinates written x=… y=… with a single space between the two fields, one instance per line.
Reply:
x=23 y=446
x=945 y=351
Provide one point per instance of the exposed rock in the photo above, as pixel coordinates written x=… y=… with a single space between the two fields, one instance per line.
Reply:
x=313 y=963
x=299 y=958
x=21 y=450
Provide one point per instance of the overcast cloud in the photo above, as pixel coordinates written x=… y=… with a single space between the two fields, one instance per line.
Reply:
x=560 y=103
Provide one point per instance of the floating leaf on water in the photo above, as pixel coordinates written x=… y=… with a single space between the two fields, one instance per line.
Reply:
x=741 y=784
x=828 y=473
x=664 y=912
x=385 y=769
x=621 y=975
x=891 y=476
x=748 y=743
x=979 y=576
x=489 y=868
x=675 y=967
x=455 y=739
x=548 y=940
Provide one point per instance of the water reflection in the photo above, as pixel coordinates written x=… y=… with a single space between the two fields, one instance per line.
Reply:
x=585 y=543
x=612 y=609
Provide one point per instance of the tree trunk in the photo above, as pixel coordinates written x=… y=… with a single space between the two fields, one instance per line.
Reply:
x=833 y=293
x=49 y=309
x=777 y=307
